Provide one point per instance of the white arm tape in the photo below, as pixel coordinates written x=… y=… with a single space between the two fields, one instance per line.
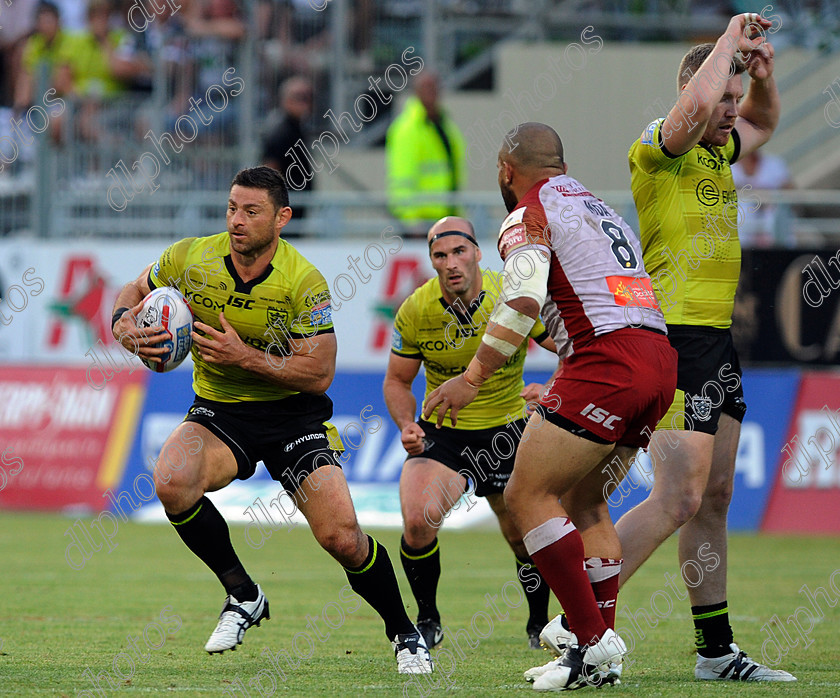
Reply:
x=526 y=275
x=512 y=319
x=505 y=316
x=505 y=348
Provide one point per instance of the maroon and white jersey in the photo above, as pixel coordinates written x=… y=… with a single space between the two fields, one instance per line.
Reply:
x=597 y=281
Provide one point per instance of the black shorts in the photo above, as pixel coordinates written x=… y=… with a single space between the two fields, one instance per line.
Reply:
x=483 y=456
x=292 y=437
x=708 y=379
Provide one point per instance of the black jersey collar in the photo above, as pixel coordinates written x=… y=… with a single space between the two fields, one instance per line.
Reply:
x=245 y=286
x=471 y=309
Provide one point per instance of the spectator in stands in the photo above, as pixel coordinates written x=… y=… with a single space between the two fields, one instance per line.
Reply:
x=45 y=46
x=303 y=35
x=426 y=155
x=296 y=102
x=99 y=61
x=15 y=28
x=770 y=224
x=95 y=65
x=166 y=38
x=214 y=29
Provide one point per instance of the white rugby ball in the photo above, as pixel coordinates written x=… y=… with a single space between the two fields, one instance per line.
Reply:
x=167 y=306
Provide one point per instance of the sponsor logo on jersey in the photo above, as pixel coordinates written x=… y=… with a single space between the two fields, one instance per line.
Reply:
x=205 y=411
x=436 y=345
x=709 y=161
x=514 y=217
x=629 y=290
x=709 y=194
x=512 y=238
x=310 y=301
x=236 y=302
x=396 y=340
x=206 y=302
x=277 y=317
x=647 y=134
x=701 y=407
x=321 y=314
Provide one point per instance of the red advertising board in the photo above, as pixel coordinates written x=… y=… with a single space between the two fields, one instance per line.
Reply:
x=806 y=493
x=62 y=442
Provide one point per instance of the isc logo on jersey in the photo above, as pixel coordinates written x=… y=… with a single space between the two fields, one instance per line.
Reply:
x=600 y=416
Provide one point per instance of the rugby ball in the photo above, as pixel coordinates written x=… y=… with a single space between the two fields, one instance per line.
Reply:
x=167 y=306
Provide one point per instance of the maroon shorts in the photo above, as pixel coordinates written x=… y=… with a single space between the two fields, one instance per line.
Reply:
x=616 y=388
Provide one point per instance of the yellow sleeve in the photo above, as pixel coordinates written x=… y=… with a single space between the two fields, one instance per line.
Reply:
x=313 y=306
x=650 y=153
x=404 y=339
x=538 y=332
x=169 y=269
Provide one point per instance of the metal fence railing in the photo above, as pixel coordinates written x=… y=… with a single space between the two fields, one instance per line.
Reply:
x=787 y=218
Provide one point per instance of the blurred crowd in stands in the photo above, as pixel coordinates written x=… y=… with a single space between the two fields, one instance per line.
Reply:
x=96 y=52
x=125 y=67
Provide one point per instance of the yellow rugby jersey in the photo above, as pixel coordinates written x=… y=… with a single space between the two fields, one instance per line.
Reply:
x=688 y=221
x=427 y=328
x=290 y=302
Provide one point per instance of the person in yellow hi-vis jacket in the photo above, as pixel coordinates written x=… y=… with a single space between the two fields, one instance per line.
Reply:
x=426 y=155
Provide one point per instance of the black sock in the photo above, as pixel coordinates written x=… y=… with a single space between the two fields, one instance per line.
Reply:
x=205 y=532
x=374 y=580
x=536 y=591
x=712 y=632
x=422 y=568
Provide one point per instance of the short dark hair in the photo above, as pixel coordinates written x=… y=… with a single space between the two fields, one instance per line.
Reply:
x=46 y=6
x=692 y=61
x=266 y=178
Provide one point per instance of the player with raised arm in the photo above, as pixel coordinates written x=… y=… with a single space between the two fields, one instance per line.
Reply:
x=688 y=216
x=569 y=257
x=264 y=353
x=439 y=326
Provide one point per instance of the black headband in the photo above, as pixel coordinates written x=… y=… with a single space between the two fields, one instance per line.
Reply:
x=452 y=232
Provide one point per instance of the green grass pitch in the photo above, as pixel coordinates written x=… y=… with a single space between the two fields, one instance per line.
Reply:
x=57 y=622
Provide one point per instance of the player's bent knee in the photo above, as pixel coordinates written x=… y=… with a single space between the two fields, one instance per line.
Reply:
x=172 y=496
x=683 y=509
x=514 y=498
x=418 y=531
x=587 y=517
x=345 y=544
x=717 y=499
